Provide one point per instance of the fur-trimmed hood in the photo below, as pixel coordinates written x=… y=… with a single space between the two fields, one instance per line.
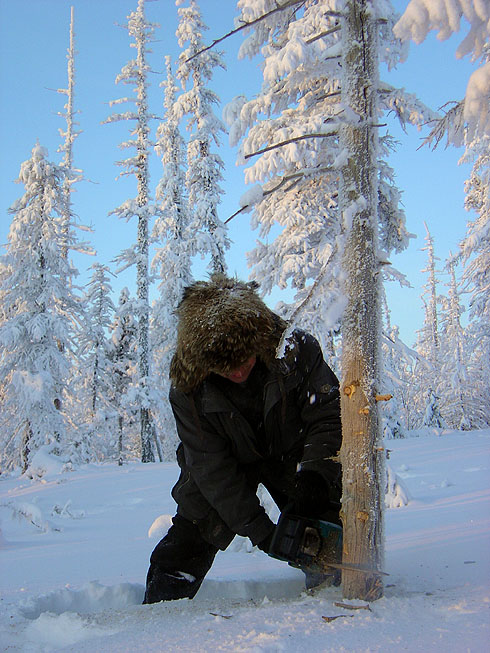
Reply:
x=222 y=323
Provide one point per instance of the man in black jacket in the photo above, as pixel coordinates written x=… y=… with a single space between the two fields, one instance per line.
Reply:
x=244 y=416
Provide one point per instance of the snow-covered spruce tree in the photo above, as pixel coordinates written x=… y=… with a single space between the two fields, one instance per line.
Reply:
x=400 y=363
x=475 y=248
x=475 y=255
x=454 y=385
x=432 y=415
x=292 y=132
x=135 y=74
x=321 y=179
x=477 y=346
x=428 y=337
x=94 y=364
x=122 y=353
x=203 y=165
x=69 y=227
x=37 y=309
x=430 y=291
x=394 y=352
x=172 y=261
x=466 y=123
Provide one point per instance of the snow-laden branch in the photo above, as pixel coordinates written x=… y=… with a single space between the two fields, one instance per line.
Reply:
x=244 y=25
x=306 y=301
x=294 y=176
x=255 y=21
x=452 y=124
x=422 y=16
x=327 y=32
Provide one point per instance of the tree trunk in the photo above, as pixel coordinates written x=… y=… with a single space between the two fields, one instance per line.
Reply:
x=142 y=265
x=26 y=446
x=361 y=457
x=120 y=441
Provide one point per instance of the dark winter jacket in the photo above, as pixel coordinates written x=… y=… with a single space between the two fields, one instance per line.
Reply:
x=222 y=448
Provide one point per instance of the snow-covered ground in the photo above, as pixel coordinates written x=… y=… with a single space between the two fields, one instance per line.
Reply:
x=74 y=548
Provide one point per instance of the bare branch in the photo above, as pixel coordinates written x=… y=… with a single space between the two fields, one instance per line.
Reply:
x=337 y=28
x=290 y=140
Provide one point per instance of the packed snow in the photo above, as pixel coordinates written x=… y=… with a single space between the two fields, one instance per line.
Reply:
x=74 y=549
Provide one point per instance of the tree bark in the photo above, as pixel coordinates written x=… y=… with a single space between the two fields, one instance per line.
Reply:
x=361 y=454
x=142 y=265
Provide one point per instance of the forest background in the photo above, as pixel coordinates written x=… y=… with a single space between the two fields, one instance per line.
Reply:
x=34 y=44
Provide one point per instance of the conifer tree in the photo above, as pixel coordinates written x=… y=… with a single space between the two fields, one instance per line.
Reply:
x=295 y=155
x=319 y=150
x=122 y=353
x=428 y=337
x=432 y=415
x=172 y=261
x=454 y=375
x=135 y=74
x=475 y=248
x=466 y=123
x=203 y=165
x=69 y=135
x=475 y=255
x=432 y=319
x=69 y=226
x=477 y=346
x=400 y=365
x=93 y=360
x=38 y=310
x=394 y=353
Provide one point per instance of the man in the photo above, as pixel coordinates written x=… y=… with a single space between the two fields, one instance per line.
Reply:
x=244 y=417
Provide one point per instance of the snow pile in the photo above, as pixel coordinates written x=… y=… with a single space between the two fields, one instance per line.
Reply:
x=94 y=597
x=160 y=527
x=396 y=494
x=437 y=594
x=52 y=632
x=44 y=463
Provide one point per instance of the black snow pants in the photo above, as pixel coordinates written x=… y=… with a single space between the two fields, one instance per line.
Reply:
x=179 y=563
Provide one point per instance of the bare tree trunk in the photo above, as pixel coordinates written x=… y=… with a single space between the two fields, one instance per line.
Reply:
x=361 y=459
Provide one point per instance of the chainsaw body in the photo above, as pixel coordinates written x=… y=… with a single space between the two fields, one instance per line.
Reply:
x=309 y=544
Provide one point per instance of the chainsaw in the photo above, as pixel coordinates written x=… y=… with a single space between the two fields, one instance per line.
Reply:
x=312 y=545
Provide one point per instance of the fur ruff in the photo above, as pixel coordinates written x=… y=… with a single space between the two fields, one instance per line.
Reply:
x=222 y=323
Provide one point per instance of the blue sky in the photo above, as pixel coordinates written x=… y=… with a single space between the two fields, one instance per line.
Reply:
x=34 y=37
